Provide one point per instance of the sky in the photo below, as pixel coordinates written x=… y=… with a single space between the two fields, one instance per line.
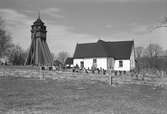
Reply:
x=82 y=21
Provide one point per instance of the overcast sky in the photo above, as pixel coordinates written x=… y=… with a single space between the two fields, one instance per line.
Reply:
x=78 y=21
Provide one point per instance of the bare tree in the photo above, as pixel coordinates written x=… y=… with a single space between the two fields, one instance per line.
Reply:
x=5 y=39
x=139 y=52
x=53 y=56
x=152 y=54
x=164 y=20
x=62 y=56
x=17 y=55
x=152 y=60
x=153 y=50
x=165 y=52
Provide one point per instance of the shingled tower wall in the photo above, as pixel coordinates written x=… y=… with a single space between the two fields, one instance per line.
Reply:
x=39 y=53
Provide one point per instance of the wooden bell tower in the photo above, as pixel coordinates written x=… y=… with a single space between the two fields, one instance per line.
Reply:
x=39 y=53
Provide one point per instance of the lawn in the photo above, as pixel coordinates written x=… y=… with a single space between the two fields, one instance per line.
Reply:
x=20 y=95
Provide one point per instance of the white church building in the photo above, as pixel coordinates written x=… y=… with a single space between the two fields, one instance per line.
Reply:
x=118 y=56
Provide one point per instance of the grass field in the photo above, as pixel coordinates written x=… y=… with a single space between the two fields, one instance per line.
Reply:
x=68 y=94
x=26 y=96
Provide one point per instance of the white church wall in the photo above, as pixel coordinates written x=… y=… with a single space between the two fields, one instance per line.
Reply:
x=102 y=62
x=77 y=62
x=88 y=62
x=125 y=67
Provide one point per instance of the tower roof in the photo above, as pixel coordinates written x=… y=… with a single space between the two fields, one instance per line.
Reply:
x=39 y=21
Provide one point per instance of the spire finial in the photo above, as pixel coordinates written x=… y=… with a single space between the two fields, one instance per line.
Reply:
x=39 y=14
x=100 y=38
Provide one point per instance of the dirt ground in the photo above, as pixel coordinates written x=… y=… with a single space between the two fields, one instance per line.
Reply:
x=31 y=96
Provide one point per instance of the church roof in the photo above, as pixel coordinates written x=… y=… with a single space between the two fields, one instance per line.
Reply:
x=117 y=50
